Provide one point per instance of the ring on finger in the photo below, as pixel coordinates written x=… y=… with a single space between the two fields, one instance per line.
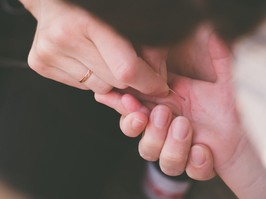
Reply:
x=86 y=76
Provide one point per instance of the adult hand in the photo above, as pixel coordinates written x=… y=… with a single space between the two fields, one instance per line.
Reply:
x=69 y=42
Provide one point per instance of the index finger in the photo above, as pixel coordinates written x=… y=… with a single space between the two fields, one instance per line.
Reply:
x=123 y=61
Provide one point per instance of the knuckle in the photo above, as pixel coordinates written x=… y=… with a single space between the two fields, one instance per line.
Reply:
x=84 y=88
x=148 y=156
x=35 y=64
x=171 y=171
x=43 y=51
x=149 y=152
x=172 y=166
x=120 y=86
x=103 y=89
x=46 y=47
x=173 y=159
x=126 y=71
x=59 y=35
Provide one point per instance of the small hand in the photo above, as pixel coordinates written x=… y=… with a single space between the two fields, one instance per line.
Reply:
x=209 y=106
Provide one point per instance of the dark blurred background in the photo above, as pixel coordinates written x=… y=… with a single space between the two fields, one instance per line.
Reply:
x=56 y=142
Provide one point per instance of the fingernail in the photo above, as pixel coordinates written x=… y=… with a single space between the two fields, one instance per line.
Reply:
x=180 y=128
x=198 y=156
x=161 y=117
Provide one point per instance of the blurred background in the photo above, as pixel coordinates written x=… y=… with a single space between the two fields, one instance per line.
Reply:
x=56 y=142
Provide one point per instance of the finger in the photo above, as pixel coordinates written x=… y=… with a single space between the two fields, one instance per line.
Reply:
x=122 y=103
x=39 y=60
x=152 y=142
x=78 y=71
x=59 y=76
x=95 y=84
x=112 y=100
x=191 y=57
x=200 y=164
x=124 y=63
x=133 y=124
x=156 y=58
x=90 y=57
x=220 y=57
x=55 y=46
x=174 y=155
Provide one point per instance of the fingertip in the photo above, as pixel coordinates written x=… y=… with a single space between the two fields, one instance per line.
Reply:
x=148 y=155
x=169 y=169
x=176 y=148
x=181 y=128
x=133 y=124
x=99 y=97
x=200 y=163
x=198 y=156
x=161 y=117
x=132 y=104
x=162 y=90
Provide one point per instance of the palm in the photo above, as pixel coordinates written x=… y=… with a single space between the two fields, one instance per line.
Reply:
x=210 y=106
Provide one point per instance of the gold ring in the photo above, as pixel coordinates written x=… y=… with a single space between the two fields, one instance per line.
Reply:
x=86 y=76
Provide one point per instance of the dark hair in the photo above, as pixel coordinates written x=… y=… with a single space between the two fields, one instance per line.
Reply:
x=234 y=18
x=158 y=22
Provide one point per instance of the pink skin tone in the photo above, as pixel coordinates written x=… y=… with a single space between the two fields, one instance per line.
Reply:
x=210 y=107
x=69 y=41
x=208 y=138
x=191 y=99
x=197 y=129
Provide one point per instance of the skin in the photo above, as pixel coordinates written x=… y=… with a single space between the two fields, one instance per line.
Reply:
x=192 y=143
x=69 y=41
x=212 y=113
x=65 y=53
x=159 y=141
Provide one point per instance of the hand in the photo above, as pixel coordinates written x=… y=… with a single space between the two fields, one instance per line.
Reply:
x=170 y=139
x=154 y=143
x=211 y=108
x=69 y=41
x=208 y=105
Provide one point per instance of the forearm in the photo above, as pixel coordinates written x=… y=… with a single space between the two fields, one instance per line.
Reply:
x=245 y=174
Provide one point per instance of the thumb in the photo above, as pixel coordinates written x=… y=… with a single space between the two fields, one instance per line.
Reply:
x=124 y=63
x=221 y=57
x=156 y=58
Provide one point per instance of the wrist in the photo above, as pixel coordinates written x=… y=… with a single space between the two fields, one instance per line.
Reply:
x=245 y=173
